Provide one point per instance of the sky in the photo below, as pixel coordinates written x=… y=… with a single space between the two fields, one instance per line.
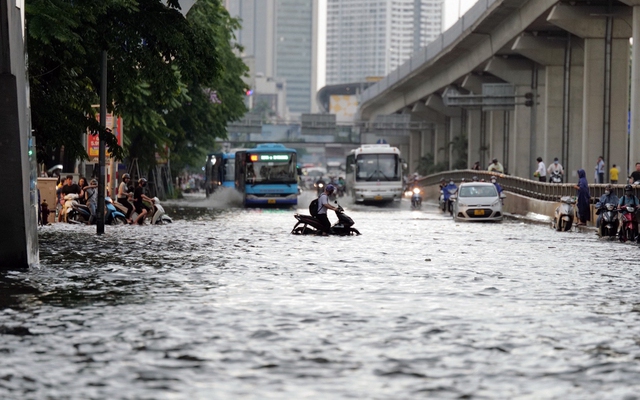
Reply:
x=452 y=10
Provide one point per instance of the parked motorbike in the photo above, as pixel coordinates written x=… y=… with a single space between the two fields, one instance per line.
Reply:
x=629 y=228
x=76 y=213
x=416 y=198
x=609 y=219
x=564 y=214
x=556 y=177
x=113 y=216
x=309 y=225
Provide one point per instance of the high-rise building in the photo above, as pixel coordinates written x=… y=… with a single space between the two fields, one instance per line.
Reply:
x=368 y=38
x=282 y=38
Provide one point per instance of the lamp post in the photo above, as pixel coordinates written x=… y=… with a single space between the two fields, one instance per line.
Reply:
x=185 y=6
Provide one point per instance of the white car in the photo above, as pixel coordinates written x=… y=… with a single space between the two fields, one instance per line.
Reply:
x=478 y=201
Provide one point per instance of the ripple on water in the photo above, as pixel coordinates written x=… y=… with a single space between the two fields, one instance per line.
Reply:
x=226 y=301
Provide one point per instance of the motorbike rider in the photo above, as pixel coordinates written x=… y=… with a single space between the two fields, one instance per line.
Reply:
x=609 y=197
x=323 y=206
x=448 y=191
x=494 y=180
x=138 y=198
x=320 y=185
x=554 y=168
x=124 y=194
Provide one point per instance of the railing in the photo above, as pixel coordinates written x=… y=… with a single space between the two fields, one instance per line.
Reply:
x=525 y=187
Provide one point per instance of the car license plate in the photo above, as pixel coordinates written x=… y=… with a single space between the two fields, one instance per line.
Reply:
x=478 y=212
x=271 y=201
x=378 y=198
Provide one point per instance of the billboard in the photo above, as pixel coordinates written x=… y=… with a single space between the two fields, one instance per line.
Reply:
x=93 y=141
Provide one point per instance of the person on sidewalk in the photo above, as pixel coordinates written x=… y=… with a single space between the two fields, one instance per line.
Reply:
x=613 y=174
x=600 y=170
x=584 y=211
x=541 y=172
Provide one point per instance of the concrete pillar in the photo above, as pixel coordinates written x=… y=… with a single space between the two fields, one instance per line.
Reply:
x=19 y=244
x=455 y=130
x=474 y=118
x=519 y=73
x=440 y=143
x=600 y=105
x=634 y=139
x=415 y=145
x=496 y=138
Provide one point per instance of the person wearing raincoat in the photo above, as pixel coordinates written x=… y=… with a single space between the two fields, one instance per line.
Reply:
x=448 y=190
x=584 y=212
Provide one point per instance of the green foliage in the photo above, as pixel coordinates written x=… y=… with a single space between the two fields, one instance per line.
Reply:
x=426 y=165
x=162 y=71
x=459 y=145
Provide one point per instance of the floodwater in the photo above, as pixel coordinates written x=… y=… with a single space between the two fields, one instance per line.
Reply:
x=226 y=304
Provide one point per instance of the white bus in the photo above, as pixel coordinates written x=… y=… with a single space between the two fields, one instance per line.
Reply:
x=374 y=174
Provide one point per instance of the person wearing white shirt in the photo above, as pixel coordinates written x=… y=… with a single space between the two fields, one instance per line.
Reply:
x=555 y=167
x=541 y=172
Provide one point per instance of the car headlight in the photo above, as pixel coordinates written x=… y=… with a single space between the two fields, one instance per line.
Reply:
x=461 y=204
x=495 y=203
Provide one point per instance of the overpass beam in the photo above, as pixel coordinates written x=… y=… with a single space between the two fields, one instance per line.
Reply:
x=606 y=33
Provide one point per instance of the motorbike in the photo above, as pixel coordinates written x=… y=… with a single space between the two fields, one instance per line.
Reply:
x=448 y=203
x=75 y=213
x=156 y=215
x=309 y=225
x=564 y=214
x=416 y=198
x=609 y=220
x=113 y=216
x=556 y=177
x=319 y=187
x=629 y=228
x=441 y=200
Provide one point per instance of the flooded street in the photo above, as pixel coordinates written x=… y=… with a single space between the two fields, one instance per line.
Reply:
x=225 y=303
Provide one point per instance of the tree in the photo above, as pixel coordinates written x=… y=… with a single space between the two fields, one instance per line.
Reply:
x=162 y=71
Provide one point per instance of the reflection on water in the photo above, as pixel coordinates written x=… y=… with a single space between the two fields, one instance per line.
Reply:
x=225 y=303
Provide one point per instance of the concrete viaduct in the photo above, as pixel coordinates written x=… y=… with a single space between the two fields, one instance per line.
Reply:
x=573 y=59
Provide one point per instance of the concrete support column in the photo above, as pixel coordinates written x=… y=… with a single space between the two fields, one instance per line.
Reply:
x=593 y=113
x=440 y=143
x=474 y=118
x=415 y=145
x=495 y=137
x=605 y=79
x=634 y=139
x=19 y=244
x=455 y=130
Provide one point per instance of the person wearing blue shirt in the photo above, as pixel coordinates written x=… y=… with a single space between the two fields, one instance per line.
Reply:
x=494 y=180
x=448 y=191
x=607 y=198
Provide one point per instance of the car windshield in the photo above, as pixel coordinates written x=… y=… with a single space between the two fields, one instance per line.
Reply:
x=478 y=191
x=377 y=167
x=271 y=168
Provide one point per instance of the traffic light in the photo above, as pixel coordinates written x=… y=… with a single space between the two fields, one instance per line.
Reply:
x=528 y=102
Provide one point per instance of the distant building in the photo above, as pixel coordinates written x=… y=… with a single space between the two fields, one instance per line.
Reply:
x=281 y=39
x=374 y=37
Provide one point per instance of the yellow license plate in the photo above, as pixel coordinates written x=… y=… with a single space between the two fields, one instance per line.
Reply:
x=478 y=212
x=271 y=201
x=378 y=198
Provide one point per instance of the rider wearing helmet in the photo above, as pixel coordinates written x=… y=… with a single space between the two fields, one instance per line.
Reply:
x=124 y=194
x=494 y=180
x=138 y=197
x=609 y=197
x=323 y=206
x=629 y=199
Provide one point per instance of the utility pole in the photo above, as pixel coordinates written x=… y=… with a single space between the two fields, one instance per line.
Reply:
x=102 y=150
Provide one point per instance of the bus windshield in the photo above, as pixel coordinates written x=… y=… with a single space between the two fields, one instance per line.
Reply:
x=374 y=167
x=271 y=168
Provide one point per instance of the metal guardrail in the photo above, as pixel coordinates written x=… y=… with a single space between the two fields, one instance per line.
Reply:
x=526 y=187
